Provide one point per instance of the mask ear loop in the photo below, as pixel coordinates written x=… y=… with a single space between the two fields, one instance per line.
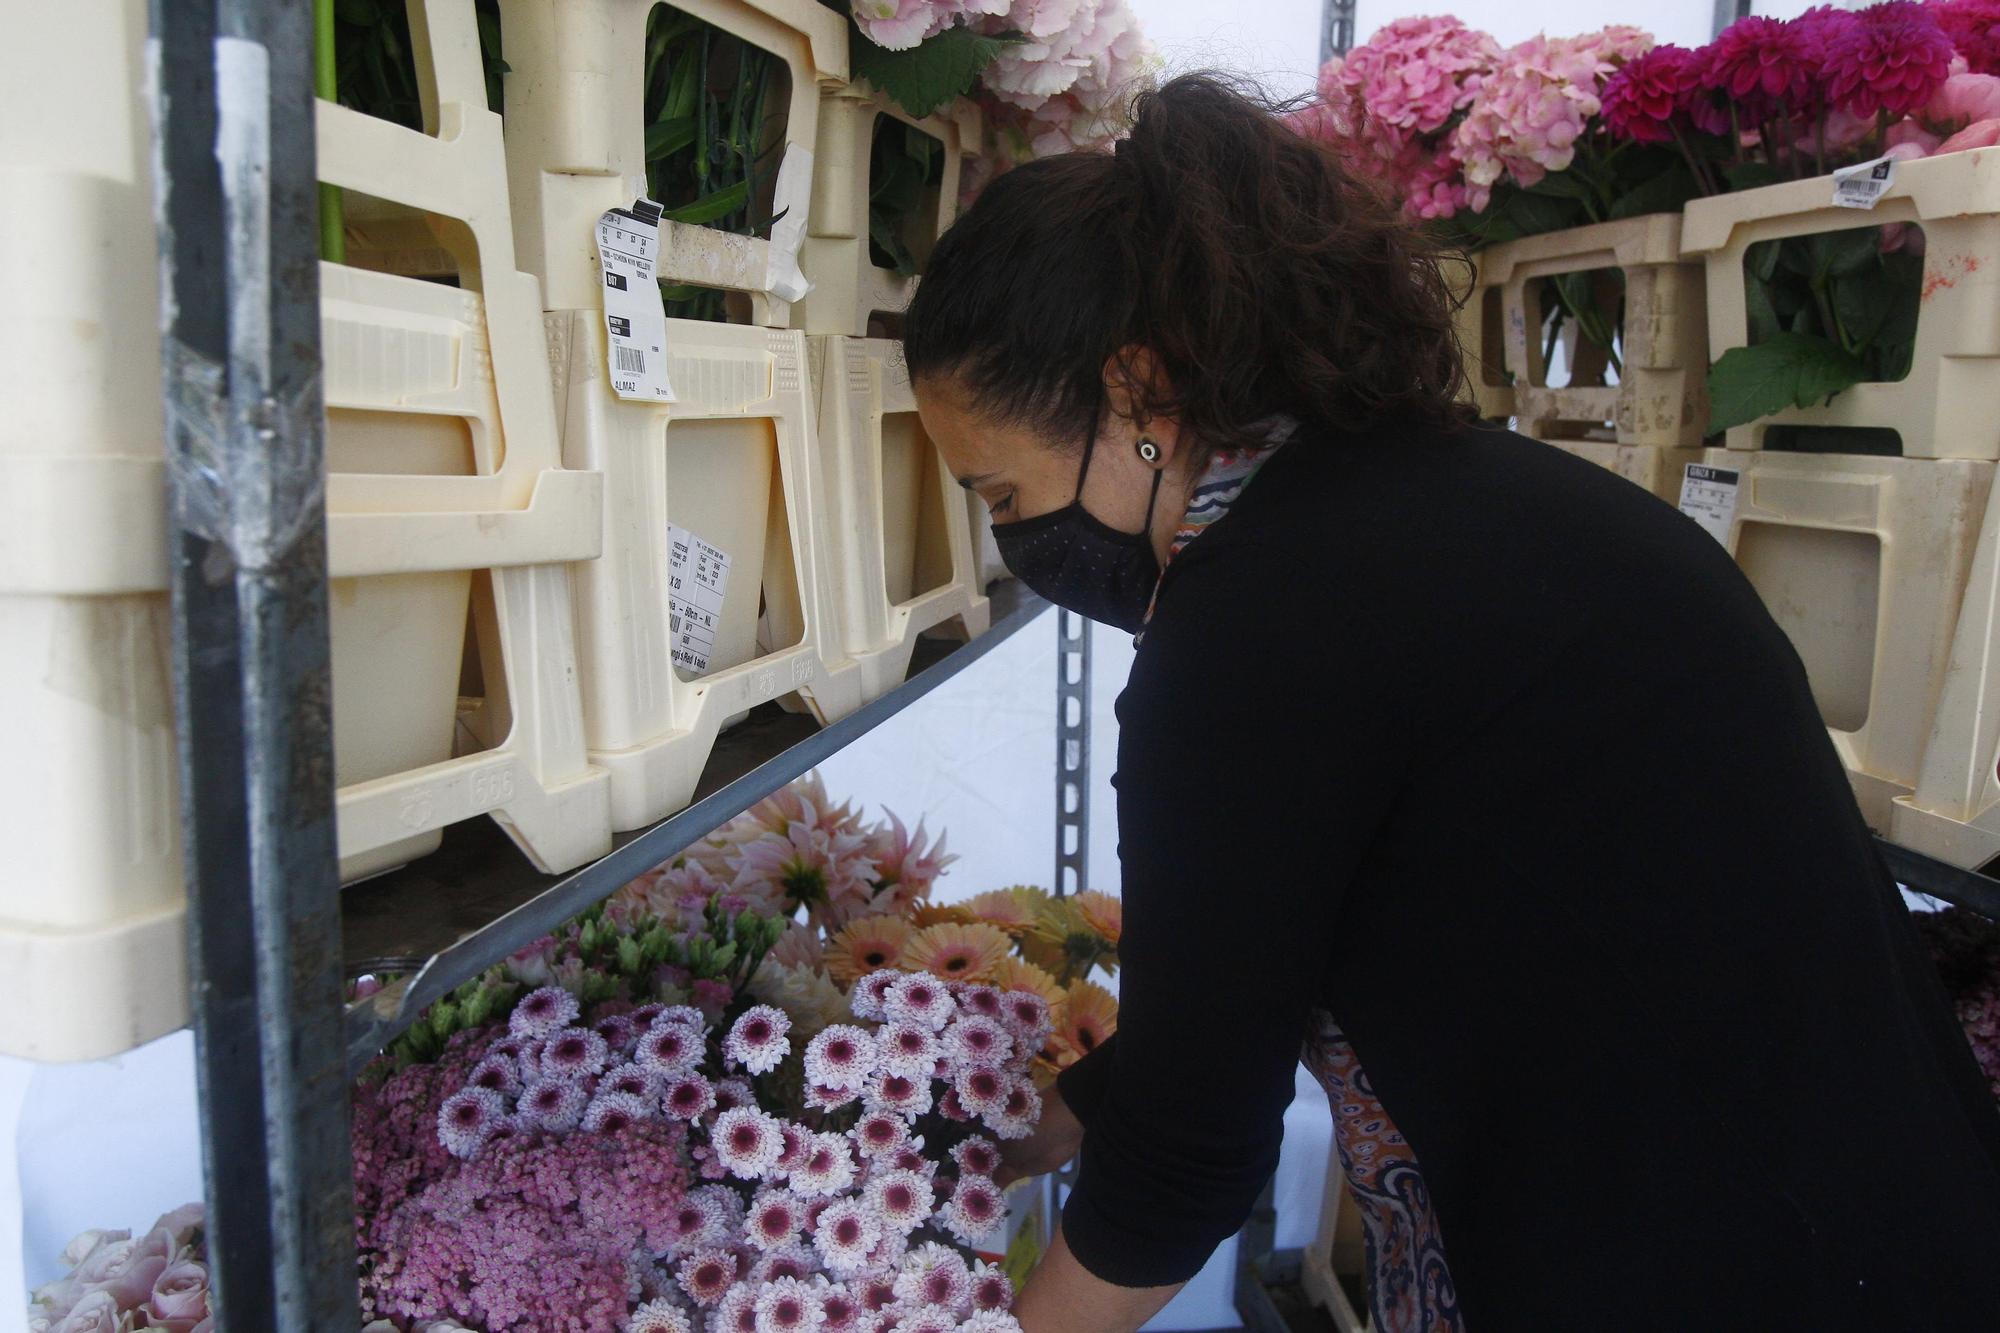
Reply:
x=1089 y=448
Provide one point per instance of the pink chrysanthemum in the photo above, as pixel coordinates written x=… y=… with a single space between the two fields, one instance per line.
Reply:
x=847 y=1234
x=1645 y=100
x=1018 y=1115
x=659 y=1316
x=906 y=1096
x=973 y=1040
x=920 y=1000
x=936 y=1275
x=870 y=997
x=792 y=1259
x=706 y=1275
x=842 y=1056
x=907 y=1048
x=747 y=1142
x=689 y=1097
x=496 y=1073
x=982 y=1089
x=880 y=1134
x=736 y=1312
x=826 y=1167
x=789 y=1305
x=468 y=1118
x=574 y=1053
x=553 y=1104
x=1892 y=59
x=990 y=1321
x=1974 y=28
x=976 y=1157
x=542 y=1011
x=902 y=1199
x=672 y=1048
x=974 y=1209
x=775 y=1218
x=991 y=1288
x=731 y=1093
x=1026 y=1014
x=842 y=1312
x=981 y=999
x=757 y=1042
x=610 y=1112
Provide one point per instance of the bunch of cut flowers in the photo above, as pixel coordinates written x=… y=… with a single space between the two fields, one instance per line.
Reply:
x=117 y=1283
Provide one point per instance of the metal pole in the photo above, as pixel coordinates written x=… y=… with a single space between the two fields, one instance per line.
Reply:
x=1728 y=11
x=236 y=197
x=1072 y=753
x=1336 y=29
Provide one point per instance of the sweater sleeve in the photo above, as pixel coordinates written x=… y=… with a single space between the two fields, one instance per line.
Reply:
x=1252 y=775
x=1082 y=1084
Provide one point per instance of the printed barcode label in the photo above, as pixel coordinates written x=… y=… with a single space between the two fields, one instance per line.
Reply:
x=1708 y=496
x=1863 y=184
x=635 y=318
x=697 y=582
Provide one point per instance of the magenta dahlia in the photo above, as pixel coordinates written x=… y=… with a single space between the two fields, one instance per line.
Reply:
x=1974 y=28
x=1891 y=60
x=1760 y=64
x=1643 y=100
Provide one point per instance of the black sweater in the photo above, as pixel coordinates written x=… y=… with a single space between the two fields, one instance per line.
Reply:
x=1502 y=762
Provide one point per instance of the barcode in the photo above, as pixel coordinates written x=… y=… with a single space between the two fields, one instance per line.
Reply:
x=630 y=359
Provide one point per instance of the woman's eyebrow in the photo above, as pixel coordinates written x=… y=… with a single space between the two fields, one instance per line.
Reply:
x=972 y=483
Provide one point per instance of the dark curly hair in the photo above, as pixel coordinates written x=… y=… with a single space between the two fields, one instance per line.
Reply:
x=1263 y=276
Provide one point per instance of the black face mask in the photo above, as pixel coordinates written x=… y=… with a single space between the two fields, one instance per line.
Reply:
x=1072 y=558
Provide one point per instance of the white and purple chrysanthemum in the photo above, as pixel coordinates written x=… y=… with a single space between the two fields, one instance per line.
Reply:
x=553 y=1104
x=688 y=1097
x=643 y=1015
x=974 y=1209
x=899 y=1093
x=702 y=1220
x=609 y=1112
x=979 y=999
x=747 y=1142
x=658 y=1316
x=870 y=996
x=990 y=1321
x=776 y=1217
x=791 y=1259
x=877 y=1293
x=789 y=1305
x=684 y=1015
x=542 y=1011
x=936 y=1275
x=982 y=1089
x=928 y=1319
x=992 y=1289
x=846 y=1236
x=976 y=1156
x=735 y=1313
x=879 y=1134
x=826 y=1167
x=635 y=1079
x=620 y=1034
x=919 y=998
x=909 y=1157
x=842 y=1056
x=1018 y=1114
x=973 y=1040
x=496 y=1073
x=1026 y=1015
x=672 y=1048
x=468 y=1118
x=796 y=1140
x=823 y=1097
x=574 y=1053
x=706 y=1274
x=758 y=1041
x=902 y=1199
x=907 y=1048
x=841 y=1310
x=731 y=1093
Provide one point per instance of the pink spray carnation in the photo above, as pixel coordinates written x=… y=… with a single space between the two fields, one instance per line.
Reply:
x=1893 y=59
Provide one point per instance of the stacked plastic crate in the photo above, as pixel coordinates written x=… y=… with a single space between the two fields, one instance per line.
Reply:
x=1867 y=523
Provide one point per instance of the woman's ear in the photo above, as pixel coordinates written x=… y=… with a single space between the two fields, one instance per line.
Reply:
x=1133 y=382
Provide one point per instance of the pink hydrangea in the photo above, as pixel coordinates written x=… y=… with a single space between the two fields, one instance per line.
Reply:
x=1892 y=60
x=1415 y=73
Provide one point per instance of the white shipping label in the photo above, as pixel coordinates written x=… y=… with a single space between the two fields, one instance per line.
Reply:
x=1708 y=496
x=635 y=318
x=1863 y=184
x=697 y=579
x=782 y=276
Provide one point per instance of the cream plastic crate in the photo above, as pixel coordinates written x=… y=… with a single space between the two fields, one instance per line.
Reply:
x=1338 y=1251
x=1864 y=562
x=1661 y=396
x=902 y=555
x=733 y=464
x=576 y=136
x=850 y=294
x=421 y=381
x=1482 y=337
x=1949 y=405
x=1657 y=470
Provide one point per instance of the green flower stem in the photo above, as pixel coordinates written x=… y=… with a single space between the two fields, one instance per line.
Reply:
x=326 y=84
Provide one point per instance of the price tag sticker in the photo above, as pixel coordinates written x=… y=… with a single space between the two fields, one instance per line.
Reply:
x=1708 y=496
x=697 y=581
x=1863 y=184
x=635 y=318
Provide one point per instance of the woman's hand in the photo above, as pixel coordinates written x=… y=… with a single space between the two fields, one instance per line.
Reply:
x=1054 y=1142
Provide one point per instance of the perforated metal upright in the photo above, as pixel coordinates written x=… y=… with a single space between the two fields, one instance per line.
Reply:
x=1072 y=753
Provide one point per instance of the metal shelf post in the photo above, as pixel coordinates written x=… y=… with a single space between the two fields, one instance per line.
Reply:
x=1072 y=753
x=236 y=195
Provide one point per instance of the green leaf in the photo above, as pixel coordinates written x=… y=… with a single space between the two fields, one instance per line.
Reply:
x=1791 y=370
x=1761 y=262
x=361 y=13
x=724 y=957
x=1563 y=185
x=666 y=137
x=1765 y=323
x=1838 y=254
x=1749 y=175
x=1861 y=302
x=925 y=77
x=1664 y=192
x=882 y=232
x=1534 y=214
x=709 y=207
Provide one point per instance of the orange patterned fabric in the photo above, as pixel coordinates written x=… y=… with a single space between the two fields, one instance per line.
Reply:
x=1409 y=1284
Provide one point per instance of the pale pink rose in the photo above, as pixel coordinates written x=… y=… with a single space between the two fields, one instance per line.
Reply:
x=87 y=1243
x=179 y=1299
x=530 y=964
x=123 y=1270
x=1982 y=134
x=1906 y=134
x=97 y=1312
x=1964 y=99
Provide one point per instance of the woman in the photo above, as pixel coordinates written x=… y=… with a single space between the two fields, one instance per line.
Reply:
x=1465 y=765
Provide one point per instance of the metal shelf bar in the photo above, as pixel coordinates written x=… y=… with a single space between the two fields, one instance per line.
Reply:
x=1072 y=753
x=237 y=195
x=1941 y=879
x=374 y=1022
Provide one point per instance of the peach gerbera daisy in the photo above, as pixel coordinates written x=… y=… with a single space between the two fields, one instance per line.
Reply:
x=1102 y=913
x=957 y=951
x=1013 y=974
x=1012 y=910
x=867 y=945
x=1086 y=1020
x=931 y=914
